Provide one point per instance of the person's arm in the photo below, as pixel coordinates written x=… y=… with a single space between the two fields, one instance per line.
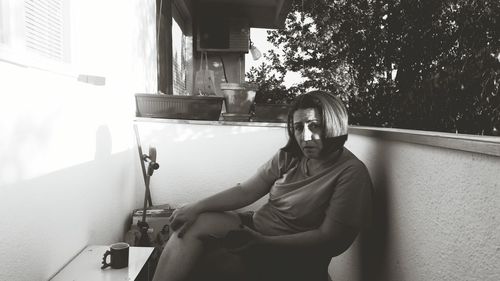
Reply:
x=233 y=198
x=247 y=192
x=331 y=239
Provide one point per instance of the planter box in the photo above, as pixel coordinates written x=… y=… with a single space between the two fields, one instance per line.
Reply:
x=178 y=107
x=271 y=112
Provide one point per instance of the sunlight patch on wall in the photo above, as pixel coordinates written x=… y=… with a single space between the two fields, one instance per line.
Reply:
x=54 y=122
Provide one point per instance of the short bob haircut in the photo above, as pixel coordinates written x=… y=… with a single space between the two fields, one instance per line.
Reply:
x=333 y=114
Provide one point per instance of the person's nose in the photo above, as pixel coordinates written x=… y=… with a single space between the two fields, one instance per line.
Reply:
x=307 y=135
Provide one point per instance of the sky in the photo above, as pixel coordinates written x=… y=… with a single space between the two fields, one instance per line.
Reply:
x=259 y=38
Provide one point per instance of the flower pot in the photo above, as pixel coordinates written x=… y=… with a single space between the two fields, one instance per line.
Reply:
x=238 y=101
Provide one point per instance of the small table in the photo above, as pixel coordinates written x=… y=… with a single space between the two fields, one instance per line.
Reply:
x=87 y=266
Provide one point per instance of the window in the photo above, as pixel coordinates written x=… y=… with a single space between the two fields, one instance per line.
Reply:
x=174 y=47
x=181 y=59
x=35 y=33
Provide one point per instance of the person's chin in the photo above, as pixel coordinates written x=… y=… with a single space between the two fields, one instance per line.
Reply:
x=310 y=153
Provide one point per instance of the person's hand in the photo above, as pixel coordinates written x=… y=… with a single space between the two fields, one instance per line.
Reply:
x=182 y=218
x=242 y=240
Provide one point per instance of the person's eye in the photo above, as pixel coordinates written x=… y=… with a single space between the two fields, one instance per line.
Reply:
x=298 y=127
x=314 y=126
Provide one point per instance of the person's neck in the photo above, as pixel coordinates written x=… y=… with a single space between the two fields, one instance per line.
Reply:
x=315 y=164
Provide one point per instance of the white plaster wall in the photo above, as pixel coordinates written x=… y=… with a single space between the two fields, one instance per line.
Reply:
x=200 y=160
x=436 y=215
x=436 y=209
x=68 y=163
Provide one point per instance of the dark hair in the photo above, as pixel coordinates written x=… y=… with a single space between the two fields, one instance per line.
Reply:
x=333 y=114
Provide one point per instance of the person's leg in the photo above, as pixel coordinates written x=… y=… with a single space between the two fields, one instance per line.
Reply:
x=181 y=254
x=217 y=263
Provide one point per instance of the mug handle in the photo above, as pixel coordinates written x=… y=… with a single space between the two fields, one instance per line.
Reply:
x=104 y=263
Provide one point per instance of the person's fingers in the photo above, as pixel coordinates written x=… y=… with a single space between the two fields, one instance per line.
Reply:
x=173 y=215
x=175 y=224
x=183 y=229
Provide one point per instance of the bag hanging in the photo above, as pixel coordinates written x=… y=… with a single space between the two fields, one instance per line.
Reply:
x=204 y=83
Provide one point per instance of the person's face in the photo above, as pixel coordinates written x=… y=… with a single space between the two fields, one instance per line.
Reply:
x=308 y=132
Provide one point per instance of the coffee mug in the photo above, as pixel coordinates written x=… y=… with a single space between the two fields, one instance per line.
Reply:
x=118 y=254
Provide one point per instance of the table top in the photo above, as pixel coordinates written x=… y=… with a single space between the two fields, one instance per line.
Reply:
x=87 y=265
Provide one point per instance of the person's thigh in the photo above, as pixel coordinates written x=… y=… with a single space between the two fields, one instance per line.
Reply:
x=214 y=224
x=215 y=263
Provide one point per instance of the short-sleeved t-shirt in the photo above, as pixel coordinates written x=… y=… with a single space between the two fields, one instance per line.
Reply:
x=341 y=191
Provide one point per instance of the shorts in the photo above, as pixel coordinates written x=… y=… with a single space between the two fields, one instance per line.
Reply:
x=268 y=265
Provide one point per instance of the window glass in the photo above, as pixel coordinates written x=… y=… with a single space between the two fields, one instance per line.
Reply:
x=179 y=59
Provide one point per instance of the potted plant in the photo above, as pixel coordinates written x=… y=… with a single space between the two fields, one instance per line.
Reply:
x=238 y=100
x=271 y=112
x=272 y=104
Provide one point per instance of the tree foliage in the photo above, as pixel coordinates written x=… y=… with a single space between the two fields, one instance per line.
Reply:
x=419 y=64
x=269 y=80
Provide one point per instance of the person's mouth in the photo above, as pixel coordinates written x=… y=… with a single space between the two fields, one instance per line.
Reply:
x=308 y=147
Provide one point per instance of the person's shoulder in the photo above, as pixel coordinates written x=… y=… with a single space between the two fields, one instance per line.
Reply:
x=284 y=155
x=351 y=160
x=354 y=169
x=286 y=160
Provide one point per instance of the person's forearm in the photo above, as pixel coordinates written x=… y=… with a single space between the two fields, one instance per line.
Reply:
x=236 y=197
x=227 y=200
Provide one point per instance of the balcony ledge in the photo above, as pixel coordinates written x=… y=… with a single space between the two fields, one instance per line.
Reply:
x=488 y=145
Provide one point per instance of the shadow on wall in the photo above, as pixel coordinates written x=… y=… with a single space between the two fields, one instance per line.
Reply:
x=373 y=250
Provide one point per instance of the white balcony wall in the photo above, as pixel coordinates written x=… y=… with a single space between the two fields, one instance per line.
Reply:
x=68 y=163
x=197 y=160
x=436 y=213
x=436 y=209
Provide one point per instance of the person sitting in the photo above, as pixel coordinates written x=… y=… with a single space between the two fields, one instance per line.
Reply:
x=320 y=197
